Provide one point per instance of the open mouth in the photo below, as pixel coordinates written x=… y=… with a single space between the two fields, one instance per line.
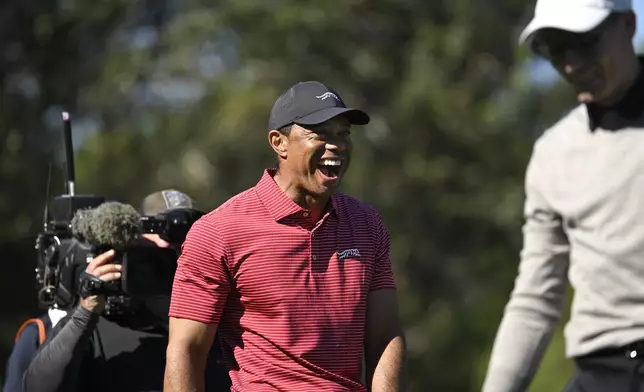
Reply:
x=330 y=168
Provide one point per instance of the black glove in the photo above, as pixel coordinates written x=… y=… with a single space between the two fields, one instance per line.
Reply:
x=89 y=285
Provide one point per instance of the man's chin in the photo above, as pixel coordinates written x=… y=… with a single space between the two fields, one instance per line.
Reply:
x=326 y=189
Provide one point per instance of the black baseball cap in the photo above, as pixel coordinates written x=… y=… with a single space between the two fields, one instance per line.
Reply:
x=309 y=103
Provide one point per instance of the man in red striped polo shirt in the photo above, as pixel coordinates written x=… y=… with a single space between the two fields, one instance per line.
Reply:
x=296 y=276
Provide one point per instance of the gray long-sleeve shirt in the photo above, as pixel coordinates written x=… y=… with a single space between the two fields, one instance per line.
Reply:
x=119 y=359
x=584 y=224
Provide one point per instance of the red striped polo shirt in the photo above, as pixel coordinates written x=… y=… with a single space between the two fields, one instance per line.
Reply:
x=289 y=295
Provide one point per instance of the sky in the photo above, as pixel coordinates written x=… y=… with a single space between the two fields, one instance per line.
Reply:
x=543 y=73
x=639 y=10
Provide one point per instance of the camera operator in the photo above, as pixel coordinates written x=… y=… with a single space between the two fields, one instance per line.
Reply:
x=88 y=351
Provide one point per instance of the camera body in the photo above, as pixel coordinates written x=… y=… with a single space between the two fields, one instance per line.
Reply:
x=63 y=255
x=171 y=225
x=67 y=244
x=148 y=270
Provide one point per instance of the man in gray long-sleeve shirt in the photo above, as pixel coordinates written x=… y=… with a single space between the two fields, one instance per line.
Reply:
x=584 y=209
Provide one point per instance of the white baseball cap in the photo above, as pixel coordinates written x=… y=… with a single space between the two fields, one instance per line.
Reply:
x=577 y=16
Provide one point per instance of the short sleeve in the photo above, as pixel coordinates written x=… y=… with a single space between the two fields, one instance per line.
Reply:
x=383 y=277
x=201 y=282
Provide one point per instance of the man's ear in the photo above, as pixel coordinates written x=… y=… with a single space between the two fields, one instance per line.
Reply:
x=279 y=143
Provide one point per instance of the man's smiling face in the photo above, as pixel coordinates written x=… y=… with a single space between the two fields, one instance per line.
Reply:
x=318 y=156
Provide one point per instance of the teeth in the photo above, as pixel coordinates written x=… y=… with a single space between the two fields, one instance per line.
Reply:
x=331 y=162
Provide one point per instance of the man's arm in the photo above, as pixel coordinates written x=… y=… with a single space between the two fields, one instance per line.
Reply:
x=201 y=286
x=188 y=348
x=56 y=366
x=384 y=343
x=537 y=300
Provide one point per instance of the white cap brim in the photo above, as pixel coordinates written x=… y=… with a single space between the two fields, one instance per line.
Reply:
x=577 y=20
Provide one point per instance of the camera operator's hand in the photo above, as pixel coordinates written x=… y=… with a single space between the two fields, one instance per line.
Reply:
x=101 y=267
x=157 y=240
x=161 y=243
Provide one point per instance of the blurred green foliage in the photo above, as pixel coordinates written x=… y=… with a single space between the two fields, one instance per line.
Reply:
x=177 y=94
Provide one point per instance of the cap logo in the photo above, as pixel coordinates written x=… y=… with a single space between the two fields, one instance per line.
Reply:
x=327 y=95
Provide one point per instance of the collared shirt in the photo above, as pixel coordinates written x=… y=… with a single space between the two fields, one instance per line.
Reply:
x=289 y=294
x=584 y=224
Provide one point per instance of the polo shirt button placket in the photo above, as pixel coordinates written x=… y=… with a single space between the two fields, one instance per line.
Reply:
x=313 y=257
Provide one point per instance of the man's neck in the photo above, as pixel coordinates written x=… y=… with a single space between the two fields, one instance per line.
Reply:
x=315 y=204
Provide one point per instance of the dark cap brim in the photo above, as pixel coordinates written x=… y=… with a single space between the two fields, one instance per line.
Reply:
x=355 y=116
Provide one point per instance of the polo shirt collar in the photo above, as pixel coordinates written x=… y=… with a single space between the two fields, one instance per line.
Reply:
x=624 y=112
x=278 y=204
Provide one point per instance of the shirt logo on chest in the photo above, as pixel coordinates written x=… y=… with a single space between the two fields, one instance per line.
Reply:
x=348 y=253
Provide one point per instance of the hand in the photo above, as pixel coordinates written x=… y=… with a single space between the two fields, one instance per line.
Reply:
x=101 y=267
x=161 y=243
x=158 y=241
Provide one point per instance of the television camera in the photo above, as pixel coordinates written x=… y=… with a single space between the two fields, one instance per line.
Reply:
x=79 y=227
